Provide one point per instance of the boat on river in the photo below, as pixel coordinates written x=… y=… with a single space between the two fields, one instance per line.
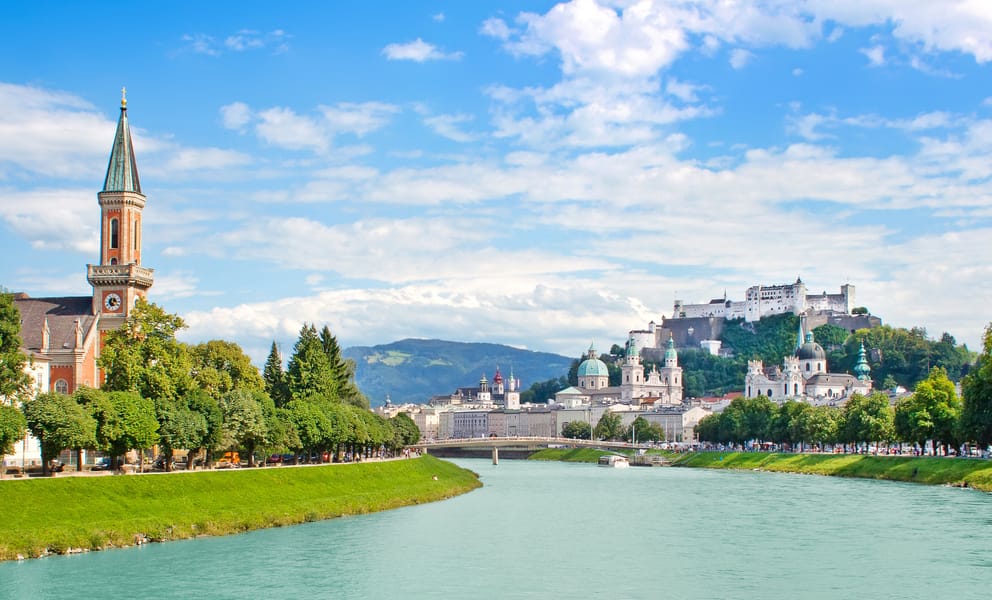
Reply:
x=614 y=460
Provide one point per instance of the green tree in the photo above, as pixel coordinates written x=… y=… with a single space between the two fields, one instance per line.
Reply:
x=543 y=392
x=144 y=356
x=868 y=419
x=642 y=430
x=309 y=373
x=12 y=429
x=125 y=421
x=407 y=432
x=577 y=430
x=244 y=421
x=820 y=425
x=610 y=426
x=937 y=393
x=15 y=384
x=58 y=423
x=747 y=419
x=275 y=378
x=709 y=429
x=206 y=406
x=179 y=428
x=312 y=425
x=220 y=367
x=788 y=424
x=339 y=370
x=976 y=413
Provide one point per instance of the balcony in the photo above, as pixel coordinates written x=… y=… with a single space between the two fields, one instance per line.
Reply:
x=129 y=274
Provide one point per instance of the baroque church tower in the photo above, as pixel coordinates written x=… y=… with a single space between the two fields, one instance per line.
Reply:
x=119 y=279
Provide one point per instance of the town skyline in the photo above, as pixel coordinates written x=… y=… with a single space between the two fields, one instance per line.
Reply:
x=539 y=175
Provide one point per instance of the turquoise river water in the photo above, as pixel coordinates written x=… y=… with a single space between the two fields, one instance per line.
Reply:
x=555 y=530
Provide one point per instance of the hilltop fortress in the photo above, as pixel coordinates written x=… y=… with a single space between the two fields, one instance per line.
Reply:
x=764 y=301
x=701 y=325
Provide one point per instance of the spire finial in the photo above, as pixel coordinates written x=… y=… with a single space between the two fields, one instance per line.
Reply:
x=123 y=97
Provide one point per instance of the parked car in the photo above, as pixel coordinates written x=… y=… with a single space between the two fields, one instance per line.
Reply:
x=101 y=464
x=275 y=459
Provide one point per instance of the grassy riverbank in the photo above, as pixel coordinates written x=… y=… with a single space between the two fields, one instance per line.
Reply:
x=65 y=514
x=584 y=455
x=935 y=471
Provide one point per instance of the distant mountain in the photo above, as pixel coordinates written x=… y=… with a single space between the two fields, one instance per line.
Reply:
x=413 y=370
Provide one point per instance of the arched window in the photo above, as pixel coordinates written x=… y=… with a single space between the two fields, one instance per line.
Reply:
x=113 y=261
x=819 y=367
x=807 y=366
x=115 y=233
x=785 y=389
x=796 y=387
x=748 y=391
x=62 y=386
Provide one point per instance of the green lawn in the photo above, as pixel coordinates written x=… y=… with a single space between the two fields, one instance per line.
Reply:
x=974 y=473
x=54 y=515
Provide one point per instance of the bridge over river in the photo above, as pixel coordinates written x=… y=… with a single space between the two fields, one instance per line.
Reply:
x=515 y=447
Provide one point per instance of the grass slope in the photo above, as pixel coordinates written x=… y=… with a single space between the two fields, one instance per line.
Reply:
x=59 y=514
x=585 y=455
x=936 y=471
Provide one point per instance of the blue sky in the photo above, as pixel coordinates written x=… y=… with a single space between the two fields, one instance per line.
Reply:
x=528 y=173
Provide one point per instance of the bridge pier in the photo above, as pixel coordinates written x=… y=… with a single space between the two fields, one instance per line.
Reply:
x=495 y=455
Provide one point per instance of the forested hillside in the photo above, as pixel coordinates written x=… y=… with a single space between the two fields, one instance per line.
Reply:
x=413 y=370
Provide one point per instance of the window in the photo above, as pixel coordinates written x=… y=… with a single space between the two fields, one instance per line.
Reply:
x=769 y=392
x=62 y=386
x=114 y=233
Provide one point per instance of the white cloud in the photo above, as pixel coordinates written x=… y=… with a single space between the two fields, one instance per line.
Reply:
x=875 y=54
x=235 y=115
x=51 y=133
x=740 y=57
x=242 y=41
x=285 y=128
x=496 y=28
x=52 y=219
x=448 y=126
x=418 y=51
x=438 y=18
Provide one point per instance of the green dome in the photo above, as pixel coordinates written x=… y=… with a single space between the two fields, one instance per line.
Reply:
x=593 y=367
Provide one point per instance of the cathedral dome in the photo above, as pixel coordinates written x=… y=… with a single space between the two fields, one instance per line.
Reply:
x=810 y=350
x=593 y=367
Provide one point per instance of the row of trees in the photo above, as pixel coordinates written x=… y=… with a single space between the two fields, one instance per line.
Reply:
x=610 y=427
x=206 y=398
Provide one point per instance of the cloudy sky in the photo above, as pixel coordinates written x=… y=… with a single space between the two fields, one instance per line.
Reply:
x=527 y=173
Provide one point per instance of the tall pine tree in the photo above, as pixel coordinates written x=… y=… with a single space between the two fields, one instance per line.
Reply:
x=275 y=378
x=309 y=372
x=342 y=370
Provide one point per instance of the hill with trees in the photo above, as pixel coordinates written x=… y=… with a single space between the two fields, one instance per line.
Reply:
x=413 y=370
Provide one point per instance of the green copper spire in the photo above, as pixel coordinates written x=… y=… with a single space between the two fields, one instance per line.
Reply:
x=862 y=369
x=670 y=353
x=122 y=172
x=631 y=347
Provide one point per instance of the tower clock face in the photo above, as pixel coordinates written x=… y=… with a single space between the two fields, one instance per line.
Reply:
x=112 y=302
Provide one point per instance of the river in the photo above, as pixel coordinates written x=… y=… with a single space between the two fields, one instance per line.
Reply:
x=556 y=530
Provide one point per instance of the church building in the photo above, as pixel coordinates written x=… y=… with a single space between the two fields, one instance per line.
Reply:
x=63 y=336
x=804 y=376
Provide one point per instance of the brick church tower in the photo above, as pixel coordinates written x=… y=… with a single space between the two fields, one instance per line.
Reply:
x=64 y=335
x=119 y=280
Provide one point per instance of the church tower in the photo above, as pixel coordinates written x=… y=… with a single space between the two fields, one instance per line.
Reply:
x=119 y=279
